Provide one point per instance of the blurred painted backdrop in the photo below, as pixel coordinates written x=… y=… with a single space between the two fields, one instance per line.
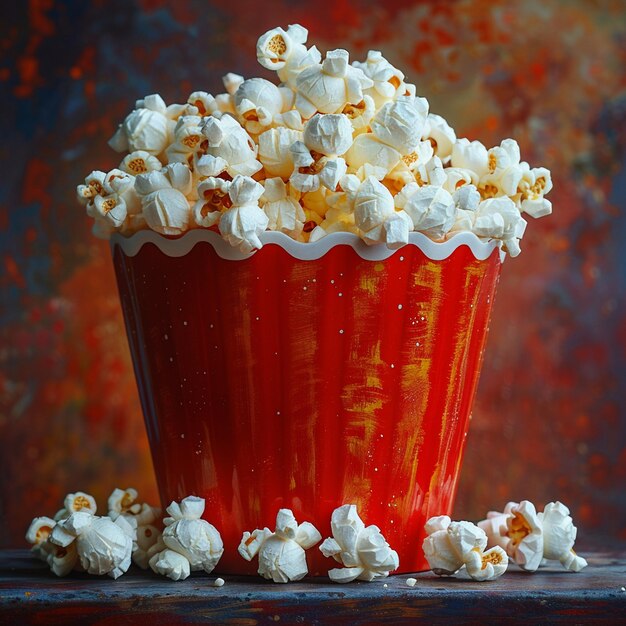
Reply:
x=550 y=421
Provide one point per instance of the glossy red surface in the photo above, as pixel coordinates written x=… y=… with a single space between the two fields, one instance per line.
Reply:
x=274 y=382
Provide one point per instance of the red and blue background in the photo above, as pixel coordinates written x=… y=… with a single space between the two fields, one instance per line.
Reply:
x=550 y=417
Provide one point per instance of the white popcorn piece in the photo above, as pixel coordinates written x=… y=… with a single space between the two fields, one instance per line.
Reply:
x=431 y=209
x=388 y=81
x=411 y=582
x=518 y=531
x=257 y=101
x=499 y=218
x=396 y=131
x=466 y=198
x=470 y=156
x=329 y=86
x=487 y=565
x=104 y=546
x=449 y=543
x=360 y=115
x=274 y=151
x=203 y=102
x=400 y=124
x=330 y=135
x=187 y=534
x=281 y=553
x=232 y=82
x=283 y=210
x=441 y=135
x=140 y=162
x=534 y=186
x=218 y=582
x=277 y=47
x=171 y=564
x=362 y=550
x=145 y=128
x=165 y=198
x=559 y=535
x=188 y=140
x=213 y=201
x=79 y=501
x=92 y=187
x=229 y=143
x=450 y=546
x=38 y=534
x=148 y=536
x=312 y=169
x=456 y=177
x=375 y=215
x=123 y=502
x=243 y=223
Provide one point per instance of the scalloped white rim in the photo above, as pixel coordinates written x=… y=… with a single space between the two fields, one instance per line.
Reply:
x=304 y=251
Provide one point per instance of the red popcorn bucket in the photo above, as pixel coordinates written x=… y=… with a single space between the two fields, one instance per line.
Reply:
x=307 y=376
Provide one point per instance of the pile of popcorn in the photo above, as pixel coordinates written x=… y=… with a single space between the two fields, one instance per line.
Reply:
x=76 y=539
x=334 y=147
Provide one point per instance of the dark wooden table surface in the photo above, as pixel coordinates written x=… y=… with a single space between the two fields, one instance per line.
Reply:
x=29 y=593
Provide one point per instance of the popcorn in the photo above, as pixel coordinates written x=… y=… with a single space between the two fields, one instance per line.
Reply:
x=328 y=87
x=171 y=564
x=243 y=223
x=103 y=546
x=230 y=148
x=282 y=552
x=145 y=128
x=166 y=208
x=284 y=212
x=140 y=162
x=559 y=535
x=213 y=201
x=376 y=216
x=431 y=209
x=37 y=535
x=188 y=139
x=124 y=503
x=92 y=187
x=192 y=537
x=388 y=81
x=499 y=218
x=396 y=131
x=74 y=502
x=362 y=550
x=330 y=135
x=529 y=537
x=360 y=115
x=312 y=169
x=275 y=153
x=440 y=134
x=450 y=546
x=325 y=119
x=257 y=101
x=488 y=565
x=518 y=531
x=471 y=156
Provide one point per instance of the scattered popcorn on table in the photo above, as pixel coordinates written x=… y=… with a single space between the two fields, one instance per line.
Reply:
x=451 y=546
x=281 y=553
x=529 y=537
x=362 y=550
x=411 y=582
x=324 y=120
x=188 y=543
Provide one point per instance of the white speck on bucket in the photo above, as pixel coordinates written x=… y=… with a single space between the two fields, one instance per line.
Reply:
x=182 y=436
x=185 y=323
x=165 y=337
x=341 y=331
x=392 y=365
x=399 y=307
x=340 y=294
